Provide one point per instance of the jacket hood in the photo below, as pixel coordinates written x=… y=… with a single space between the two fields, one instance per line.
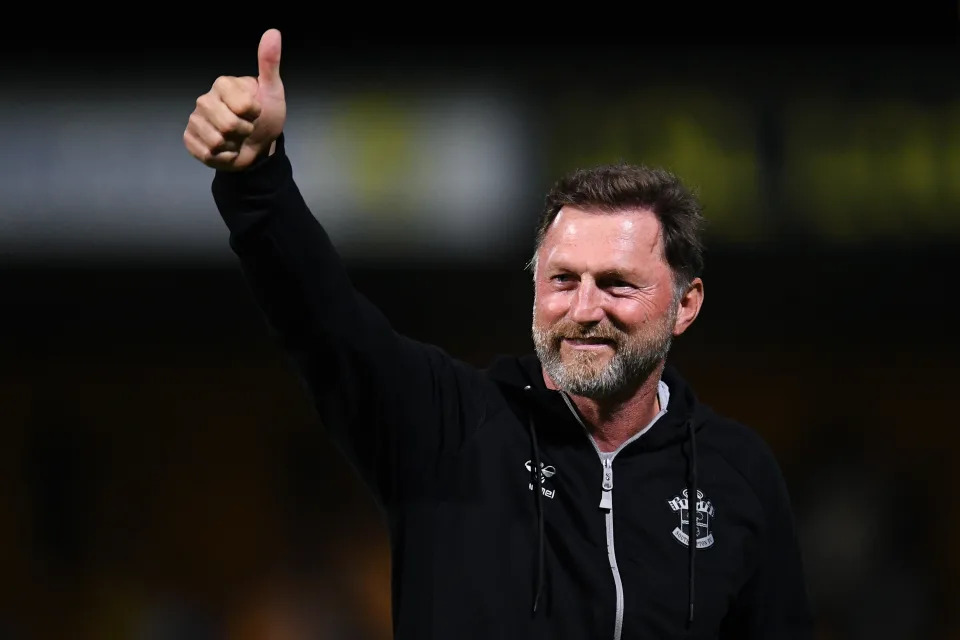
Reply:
x=514 y=373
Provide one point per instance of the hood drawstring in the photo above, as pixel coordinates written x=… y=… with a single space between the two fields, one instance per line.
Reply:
x=692 y=514
x=537 y=475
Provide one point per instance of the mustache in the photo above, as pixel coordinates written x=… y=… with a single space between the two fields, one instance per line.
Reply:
x=580 y=332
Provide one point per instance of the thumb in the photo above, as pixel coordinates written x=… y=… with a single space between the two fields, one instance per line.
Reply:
x=268 y=57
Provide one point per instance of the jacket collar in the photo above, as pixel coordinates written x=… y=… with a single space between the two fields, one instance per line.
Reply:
x=515 y=373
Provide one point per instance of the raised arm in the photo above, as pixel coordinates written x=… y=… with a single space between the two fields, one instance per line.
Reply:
x=393 y=404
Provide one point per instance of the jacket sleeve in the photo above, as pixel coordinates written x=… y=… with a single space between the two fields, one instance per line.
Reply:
x=394 y=406
x=774 y=603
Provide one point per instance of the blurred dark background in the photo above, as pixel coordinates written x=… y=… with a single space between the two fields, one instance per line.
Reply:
x=163 y=475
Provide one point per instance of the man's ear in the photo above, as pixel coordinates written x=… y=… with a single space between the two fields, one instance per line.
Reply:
x=688 y=307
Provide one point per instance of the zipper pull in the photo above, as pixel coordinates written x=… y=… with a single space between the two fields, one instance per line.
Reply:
x=606 y=497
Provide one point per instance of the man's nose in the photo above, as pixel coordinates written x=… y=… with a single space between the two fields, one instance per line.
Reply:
x=587 y=307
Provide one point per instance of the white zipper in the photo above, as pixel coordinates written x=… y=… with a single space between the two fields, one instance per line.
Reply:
x=606 y=503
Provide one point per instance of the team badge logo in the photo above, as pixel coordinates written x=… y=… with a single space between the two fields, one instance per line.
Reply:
x=704 y=511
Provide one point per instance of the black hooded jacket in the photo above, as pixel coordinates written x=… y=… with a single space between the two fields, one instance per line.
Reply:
x=504 y=520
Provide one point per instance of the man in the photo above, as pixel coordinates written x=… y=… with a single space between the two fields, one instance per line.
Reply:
x=581 y=492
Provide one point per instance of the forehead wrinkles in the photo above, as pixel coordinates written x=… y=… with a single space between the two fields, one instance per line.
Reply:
x=628 y=235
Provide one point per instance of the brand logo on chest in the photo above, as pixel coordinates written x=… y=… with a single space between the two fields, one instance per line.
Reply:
x=546 y=472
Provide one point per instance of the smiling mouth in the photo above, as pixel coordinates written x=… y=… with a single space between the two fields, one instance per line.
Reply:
x=588 y=343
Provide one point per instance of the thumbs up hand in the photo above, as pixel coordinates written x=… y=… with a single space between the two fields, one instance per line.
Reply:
x=240 y=117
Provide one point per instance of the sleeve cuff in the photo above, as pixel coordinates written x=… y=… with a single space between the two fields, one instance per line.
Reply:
x=265 y=175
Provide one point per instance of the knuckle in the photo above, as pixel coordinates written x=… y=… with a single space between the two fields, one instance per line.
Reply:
x=222 y=82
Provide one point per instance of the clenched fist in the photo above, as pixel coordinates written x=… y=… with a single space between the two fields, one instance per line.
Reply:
x=240 y=117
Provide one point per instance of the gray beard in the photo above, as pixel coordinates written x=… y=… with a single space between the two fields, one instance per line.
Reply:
x=632 y=363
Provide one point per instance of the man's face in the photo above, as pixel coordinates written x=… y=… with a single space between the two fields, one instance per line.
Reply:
x=604 y=306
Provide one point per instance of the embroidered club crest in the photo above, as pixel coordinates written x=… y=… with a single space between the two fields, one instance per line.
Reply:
x=704 y=511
